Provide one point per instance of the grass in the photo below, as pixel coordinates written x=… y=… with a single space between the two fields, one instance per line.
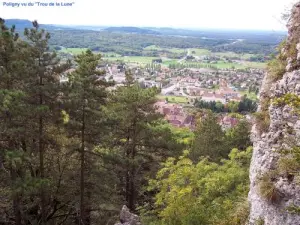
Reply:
x=132 y=59
x=226 y=54
x=200 y=51
x=262 y=121
x=153 y=48
x=110 y=54
x=257 y=65
x=250 y=95
x=176 y=50
x=157 y=48
x=267 y=187
x=173 y=99
x=74 y=51
x=170 y=61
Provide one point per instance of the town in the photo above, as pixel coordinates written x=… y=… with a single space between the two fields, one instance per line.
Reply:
x=181 y=88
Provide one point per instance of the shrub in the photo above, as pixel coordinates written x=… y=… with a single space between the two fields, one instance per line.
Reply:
x=262 y=121
x=260 y=221
x=276 y=69
x=267 y=187
x=277 y=66
x=294 y=209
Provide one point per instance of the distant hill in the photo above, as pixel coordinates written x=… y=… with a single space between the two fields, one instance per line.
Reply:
x=21 y=24
x=135 y=30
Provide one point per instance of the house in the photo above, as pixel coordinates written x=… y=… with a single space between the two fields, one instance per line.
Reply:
x=209 y=97
x=175 y=115
x=228 y=122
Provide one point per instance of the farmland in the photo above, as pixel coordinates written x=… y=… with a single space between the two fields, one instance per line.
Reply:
x=223 y=61
x=173 y=99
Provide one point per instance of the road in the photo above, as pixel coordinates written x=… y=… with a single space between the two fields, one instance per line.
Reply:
x=168 y=89
x=184 y=58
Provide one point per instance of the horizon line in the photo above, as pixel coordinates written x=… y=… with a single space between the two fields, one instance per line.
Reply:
x=153 y=26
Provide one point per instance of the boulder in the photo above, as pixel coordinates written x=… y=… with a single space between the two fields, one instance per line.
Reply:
x=128 y=218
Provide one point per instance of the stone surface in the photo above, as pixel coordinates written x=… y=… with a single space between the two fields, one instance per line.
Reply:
x=266 y=146
x=128 y=218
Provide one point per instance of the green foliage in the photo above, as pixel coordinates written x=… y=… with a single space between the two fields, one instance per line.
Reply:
x=289 y=99
x=202 y=193
x=262 y=121
x=260 y=221
x=239 y=136
x=267 y=187
x=294 y=209
x=277 y=66
x=245 y=105
x=289 y=162
x=209 y=139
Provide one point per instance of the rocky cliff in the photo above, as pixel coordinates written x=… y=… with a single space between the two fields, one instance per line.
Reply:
x=274 y=173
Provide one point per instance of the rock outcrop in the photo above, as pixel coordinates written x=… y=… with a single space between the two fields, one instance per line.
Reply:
x=268 y=145
x=128 y=218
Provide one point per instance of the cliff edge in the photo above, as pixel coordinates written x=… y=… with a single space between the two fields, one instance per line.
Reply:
x=274 y=172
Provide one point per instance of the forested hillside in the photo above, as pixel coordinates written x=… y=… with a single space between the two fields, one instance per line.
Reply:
x=130 y=41
x=75 y=152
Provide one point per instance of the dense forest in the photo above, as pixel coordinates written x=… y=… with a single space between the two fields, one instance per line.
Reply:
x=75 y=152
x=130 y=41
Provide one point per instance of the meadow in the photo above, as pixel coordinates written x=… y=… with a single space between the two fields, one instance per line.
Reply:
x=174 y=99
x=143 y=60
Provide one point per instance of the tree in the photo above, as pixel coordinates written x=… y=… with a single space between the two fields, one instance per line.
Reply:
x=233 y=106
x=30 y=109
x=239 y=136
x=204 y=192
x=138 y=136
x=209 y=139
x=43 y=94
x=10 y=98
x=86 y=92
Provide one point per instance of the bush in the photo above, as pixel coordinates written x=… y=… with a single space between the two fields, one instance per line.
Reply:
x=276 y=69
x=267 y=187
x=262 y=121
x=277 y=66
x=203 y=193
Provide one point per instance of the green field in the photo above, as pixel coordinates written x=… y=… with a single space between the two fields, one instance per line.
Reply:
x=172 y=50
x=199 y=51
x=132 y=59
x=111 y=56
x=174 y=99
x=74 y=51
x=153 y=48
x=218 y=65
x=250 y=95
x=258 y=65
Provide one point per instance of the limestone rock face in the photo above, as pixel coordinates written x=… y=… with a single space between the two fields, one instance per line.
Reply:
x=128 y=218
x=266 y=145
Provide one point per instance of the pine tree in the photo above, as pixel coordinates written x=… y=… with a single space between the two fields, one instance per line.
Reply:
x=10 y=98
x=209 y=139
x=83 y=104
x=42 y=98
x=138 y=137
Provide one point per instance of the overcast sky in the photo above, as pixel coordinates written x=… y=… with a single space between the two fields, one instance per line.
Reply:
x=233 y=14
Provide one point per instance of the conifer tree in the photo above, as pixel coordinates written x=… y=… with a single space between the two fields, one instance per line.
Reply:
x=209 y=139
x=42 y=92
x=10 y=100
x=139 y=137
x=83 y=103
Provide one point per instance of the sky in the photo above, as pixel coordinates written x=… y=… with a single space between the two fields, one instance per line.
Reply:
x=222 y=14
